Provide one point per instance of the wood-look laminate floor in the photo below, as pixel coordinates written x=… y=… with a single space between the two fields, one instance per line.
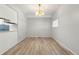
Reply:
x=38 y=46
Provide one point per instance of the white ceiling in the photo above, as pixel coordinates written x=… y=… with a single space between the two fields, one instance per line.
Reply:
x=30 y=9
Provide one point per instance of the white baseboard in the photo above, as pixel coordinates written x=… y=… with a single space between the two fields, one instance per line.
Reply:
x=65 y=47
x=8 y=49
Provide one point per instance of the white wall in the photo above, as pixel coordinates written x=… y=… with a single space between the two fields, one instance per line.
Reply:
x=7 y=39
x=22 y=27
x=22 y=23
x=67 y=33
x=39 y=27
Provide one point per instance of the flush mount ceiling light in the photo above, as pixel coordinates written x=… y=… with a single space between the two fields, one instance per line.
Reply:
x=40 y=10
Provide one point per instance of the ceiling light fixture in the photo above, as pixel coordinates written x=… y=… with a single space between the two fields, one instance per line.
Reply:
x=40 y=11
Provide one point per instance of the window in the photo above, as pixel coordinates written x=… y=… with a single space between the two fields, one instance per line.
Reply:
x=3 y=26
x=55 y=23
x=6 y=25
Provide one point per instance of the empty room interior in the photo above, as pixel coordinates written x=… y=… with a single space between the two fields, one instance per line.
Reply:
x=39 y=29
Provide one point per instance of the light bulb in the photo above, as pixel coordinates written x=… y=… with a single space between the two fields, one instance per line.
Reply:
x=39 y=12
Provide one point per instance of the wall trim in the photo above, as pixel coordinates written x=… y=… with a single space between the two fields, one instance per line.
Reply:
x=65 y=47
x=8 y=49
